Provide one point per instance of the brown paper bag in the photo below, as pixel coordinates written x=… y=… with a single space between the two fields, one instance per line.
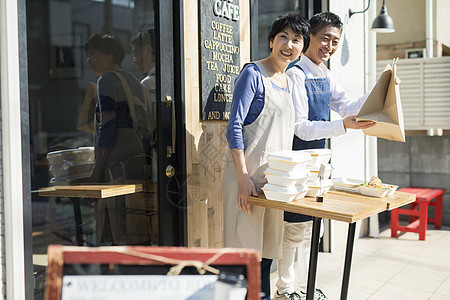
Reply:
x=384 y=107
x=86 y=119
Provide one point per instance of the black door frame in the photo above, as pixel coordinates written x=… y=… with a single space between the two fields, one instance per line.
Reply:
x=172 y=201
x=26 y=161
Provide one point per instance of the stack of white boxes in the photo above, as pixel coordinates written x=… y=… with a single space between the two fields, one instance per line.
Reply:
x=71 y=164
x=319 y=157
x=294 y=174
x=287 y=175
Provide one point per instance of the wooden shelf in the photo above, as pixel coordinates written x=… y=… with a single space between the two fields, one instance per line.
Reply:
x=90 y=191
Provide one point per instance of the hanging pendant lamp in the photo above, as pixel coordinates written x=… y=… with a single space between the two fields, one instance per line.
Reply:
x=383 y=23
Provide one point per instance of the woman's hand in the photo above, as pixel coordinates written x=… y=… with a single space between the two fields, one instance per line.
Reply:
x=246 y=188
x=350 y=122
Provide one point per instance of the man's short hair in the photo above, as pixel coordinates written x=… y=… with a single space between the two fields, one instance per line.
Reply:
x=297 y=23
x=106 y=44
x=143 y=38
x=321 y=20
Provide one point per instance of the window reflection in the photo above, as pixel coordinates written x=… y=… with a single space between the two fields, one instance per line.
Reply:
x=269 y=10
x=122 y=150
x=85 y=128
x=142 y=49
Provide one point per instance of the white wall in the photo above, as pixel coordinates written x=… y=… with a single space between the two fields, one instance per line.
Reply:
x=442 y=25
x=348 y=64
x=12 y=242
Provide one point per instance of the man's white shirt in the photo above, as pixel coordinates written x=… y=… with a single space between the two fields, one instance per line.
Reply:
x=340 y=102
x=149 y=83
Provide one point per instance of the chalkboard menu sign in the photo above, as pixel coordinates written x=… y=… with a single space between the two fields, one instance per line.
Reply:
x=219 y=56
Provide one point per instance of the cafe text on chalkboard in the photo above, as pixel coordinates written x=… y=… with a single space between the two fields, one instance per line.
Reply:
x=219 y=56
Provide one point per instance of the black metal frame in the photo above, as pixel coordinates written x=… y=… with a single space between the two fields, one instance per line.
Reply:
x=170 y=82
x=26 y=163
x=181 y=119
x=348 y=260
x=314 y=254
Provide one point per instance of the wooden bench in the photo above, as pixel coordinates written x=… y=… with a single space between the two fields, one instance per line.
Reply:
x=418 y=211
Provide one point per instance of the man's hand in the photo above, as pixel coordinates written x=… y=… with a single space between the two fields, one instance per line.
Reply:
x=246 y=188
x=350 y=122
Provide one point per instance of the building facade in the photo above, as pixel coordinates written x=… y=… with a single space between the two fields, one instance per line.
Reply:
x=46 y=86
x=422 y=42
x=409 y=39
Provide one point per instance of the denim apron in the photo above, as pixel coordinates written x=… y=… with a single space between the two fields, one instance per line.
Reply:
x=319 y=96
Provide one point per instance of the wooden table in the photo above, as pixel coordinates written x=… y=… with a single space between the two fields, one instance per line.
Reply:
x=341 y=206
x=75 y=192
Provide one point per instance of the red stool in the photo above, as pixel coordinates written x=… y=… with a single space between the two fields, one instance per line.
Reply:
x=418 y=211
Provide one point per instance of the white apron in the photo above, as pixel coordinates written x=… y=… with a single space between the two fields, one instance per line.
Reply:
x=273 y=130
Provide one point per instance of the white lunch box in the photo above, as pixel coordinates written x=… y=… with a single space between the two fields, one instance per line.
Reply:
x=317 y=188
x=283 y=194
x=314 y=172
x=286 y=179
x=288 y=160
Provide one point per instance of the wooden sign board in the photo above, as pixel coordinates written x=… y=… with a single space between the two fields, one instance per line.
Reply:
x=219 y=56
x=107 y=272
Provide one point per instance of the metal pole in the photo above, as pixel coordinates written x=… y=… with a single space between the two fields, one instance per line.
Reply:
x=429 y=22
x=348 y=260
x=313 y=259
x=81 y=240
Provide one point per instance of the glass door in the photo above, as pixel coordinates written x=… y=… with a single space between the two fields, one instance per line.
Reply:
x=263 y=12
x=104 y=116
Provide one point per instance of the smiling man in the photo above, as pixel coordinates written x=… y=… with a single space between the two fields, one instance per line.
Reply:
x=315 y=92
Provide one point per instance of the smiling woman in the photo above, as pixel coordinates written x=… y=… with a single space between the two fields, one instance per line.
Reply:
x=261 y=120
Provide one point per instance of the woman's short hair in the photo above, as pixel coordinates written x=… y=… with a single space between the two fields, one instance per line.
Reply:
x=106 y=44
x=297 y=23
x=321 y=20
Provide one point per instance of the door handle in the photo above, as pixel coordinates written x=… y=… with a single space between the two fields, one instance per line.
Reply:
x=170 y=104
x=170 y=171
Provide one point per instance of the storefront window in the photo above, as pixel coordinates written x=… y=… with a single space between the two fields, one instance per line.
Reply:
x=90 y=131
x=267 y=12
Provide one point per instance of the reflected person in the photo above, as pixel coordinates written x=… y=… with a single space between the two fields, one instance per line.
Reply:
x=120 y=155
x=143 y=51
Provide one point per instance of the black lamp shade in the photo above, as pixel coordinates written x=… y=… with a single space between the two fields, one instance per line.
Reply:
x=383 y=22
